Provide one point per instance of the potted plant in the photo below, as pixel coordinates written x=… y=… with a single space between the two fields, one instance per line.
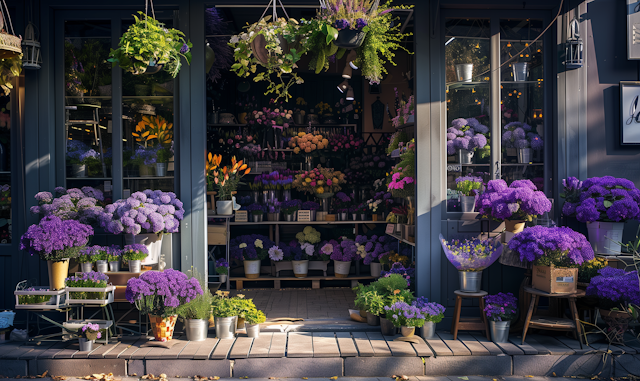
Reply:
x=114 y=254
x=299 y=252
x=554 y=252
x=468 y=187
x=273 y=210
x=55 y=241
x=87 y=286
x=499 y=202
x=145 y=218
x=256 y=211
x=33 y=298
x=242 y=306
x=86 y=257
x=158 y=294
x=196 y=312
x=225 y=314
x=251 y=249
x=88 y=334
x=500 y=309
x=604 y=203
x=341 y=205
x=360 y=301
x=254 y=318
x=470 y=257
x=154 y=134
x=148 y=47
x=589 y=269
x=405 y=316
x=392 y=288
x=464 y=137
x=135 y=254
x=321 y=182
x=225 y=181
x=101 y=257
x=342 y=255
x=289 y=209
x=433 y=314
x=222 y=269
x=371 y=249
x=79 y=156
x=518 y=135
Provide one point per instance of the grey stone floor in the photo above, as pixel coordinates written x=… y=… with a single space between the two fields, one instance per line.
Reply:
x=302 y=303
x=418 y=378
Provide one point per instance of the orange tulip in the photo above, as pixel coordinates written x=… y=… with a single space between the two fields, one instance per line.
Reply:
x=244 y=166
x=247 y=171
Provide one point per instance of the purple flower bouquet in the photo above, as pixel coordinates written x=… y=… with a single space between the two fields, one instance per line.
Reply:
x=54 y=239
x=601 y=199
x=471 y=254
x=291 y=206
x=144 y=212
x=615 y=288
x=467 y=134
x=160 y=293
x=342 y=202
x=432 y=312
x=558 y=246
x=255 y=209
x=519 y=201
x=519 y=135
x=71 y=204
x=91 y=279
x=500 y=307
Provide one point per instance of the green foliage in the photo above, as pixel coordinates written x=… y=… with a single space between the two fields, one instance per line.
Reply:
x=360 y=290
x=222 y=270
x=146 y=43
x=33 y=299
x=465 y=187
x=399 y=320
x=255 y=316
x=133 y=255
x=590 y=269
x=222 y=305
x=387 y=286
x=9 y=68
x=396 y=139
x=163 y=155
x=242 y=306
x=200 y=306
x=556 y=258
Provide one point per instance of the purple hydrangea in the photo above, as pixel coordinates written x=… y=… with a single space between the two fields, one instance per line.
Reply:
x=615 y=288
x=471 y=254
x=250 y=247
x=72 y=204
x=466 y=134
x=371 y=249
x=54 y=239
x=519 y=135
x=342 y=24
x=601 y=199
x=519 y=201
x=560 y=246
x=500 y=307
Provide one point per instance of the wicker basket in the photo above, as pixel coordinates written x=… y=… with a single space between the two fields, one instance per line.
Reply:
x=10 y=46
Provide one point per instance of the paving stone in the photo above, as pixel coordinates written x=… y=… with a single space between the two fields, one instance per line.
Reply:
x=13 y=368
x=561 y=365
x=135 y=367
x=468 y=365
x=189 y=368
x=287 y=367
x=383 y=366
x=81 y=367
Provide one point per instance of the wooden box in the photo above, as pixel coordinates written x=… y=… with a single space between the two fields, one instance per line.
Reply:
x=216 y=235
x=320 y=216
x=330 y=217
x=555 y=280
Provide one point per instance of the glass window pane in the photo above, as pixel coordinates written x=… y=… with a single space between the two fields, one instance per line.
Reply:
x=88 y=107
x=5 y=170
x=467 y=53
x=522 y=100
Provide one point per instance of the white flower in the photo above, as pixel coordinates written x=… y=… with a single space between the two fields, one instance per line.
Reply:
x=308 y=248
x=276 y=254
x=234 y=39
x=242 y=245
x=258 y=244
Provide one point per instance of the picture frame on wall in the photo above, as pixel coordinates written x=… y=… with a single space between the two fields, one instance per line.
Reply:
x=630 y=113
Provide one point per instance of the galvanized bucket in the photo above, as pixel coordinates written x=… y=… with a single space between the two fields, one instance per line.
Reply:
x=465 y=156
x=499 y=331
x=102 y=266
x=226 y=327
x=428 y=330
x=470 y=281
x=467 y=203
x=85 y=345
x=520 y=71
x=134 y=266
x=253 y=330
x=464 y=72
x=196 y=329
x=524 y=155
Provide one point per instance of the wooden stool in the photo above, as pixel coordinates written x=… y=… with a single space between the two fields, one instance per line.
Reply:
x=469 y=324
x=550 y=323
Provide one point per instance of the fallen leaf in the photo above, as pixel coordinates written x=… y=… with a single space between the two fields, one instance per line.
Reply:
x=554 y=374
x=305 y=378
x=44 y=374
x=529 y=376
x=464 y=378
x=334 y=377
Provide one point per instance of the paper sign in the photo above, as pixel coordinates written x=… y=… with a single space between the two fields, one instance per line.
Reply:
x=126 y=193
x=390 y=228
x=241 y=216
x=304 y=215
x=107 y=186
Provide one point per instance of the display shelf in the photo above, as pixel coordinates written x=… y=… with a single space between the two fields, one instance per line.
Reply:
x=89 y=178
x=226 y=125
x=151 y=97
x=304 y=223
x=5 y=172
x=402 y=239
x=87 y=97
x=148 y=178
x=519 y=164
x=315 y=280
x=470 y=85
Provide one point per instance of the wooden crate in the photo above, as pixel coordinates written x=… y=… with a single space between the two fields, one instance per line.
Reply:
x=216 y=235
x=555 y=280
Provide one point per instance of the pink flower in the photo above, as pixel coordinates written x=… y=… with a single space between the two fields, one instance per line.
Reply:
x=249 y=138
x=286 y=125
x=313 y=183
x=329 y=182
x=237 y=145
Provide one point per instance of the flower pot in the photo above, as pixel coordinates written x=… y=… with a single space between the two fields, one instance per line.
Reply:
x=269 y=196
x=273 y=216
x=142 y=90
x=240 y=323
x=386 y=327
x=225 y=327
x=257 y=217
x=617 y=324
x=350 y=38
x=376 y=269
x=57 y=273
x=152 y=241
x=78 y=170
x=407 y=331
x=372 y=319
x=85 y=345
x=134 y=266
x=363 y=313
x=604 y=235
x=467 y=203
x=161 y=169
x=428 y=330
x=223 y=278
x=341 y=268
x=102 y=266
x=253 y=330
x=162 y=327
x=465 y=156
x=146 y=170
x=114 y=266
x=464 y=72
x=520 y=71
x=224 y=208
x=524 y=155
x=252 y=269
x=300 y=268
x=354 y=216
x=290 y=217
x=196 y=329
x=86 y=267
x=255 y=197
x=242 y=118
x=470 y=281
x=499 y=331
x=363 y=216
x=514 y=226
x=343 y=216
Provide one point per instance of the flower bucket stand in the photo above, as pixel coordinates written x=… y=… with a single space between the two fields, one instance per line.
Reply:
x=470 y=324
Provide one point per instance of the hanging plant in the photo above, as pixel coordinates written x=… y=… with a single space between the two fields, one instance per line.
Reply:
x=276 y=47
x=147 y=46
x=9 y=68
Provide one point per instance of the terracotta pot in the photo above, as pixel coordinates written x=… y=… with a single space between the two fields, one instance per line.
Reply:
x=163 y=327
x=407 y=331
x=514 y=226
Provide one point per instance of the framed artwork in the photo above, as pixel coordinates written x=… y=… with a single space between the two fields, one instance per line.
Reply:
x=630 y=113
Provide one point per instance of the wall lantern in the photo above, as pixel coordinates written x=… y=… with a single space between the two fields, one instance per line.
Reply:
x=31 y=58
x=573 y=47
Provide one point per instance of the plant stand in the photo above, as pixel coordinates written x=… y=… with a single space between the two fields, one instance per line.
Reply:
x=470 y=324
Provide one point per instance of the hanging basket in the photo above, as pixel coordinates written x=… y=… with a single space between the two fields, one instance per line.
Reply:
x=350 y=38
x=10 y=44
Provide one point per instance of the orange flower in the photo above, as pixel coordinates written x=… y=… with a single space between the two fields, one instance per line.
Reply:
x=396 y=292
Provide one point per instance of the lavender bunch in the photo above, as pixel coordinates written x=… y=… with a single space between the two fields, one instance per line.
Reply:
x=519 y=135
x=160 y=293
x=500 y=307
x=144 y=212
x=519 y=201
x=615 y=288
x=432 y=312
x=559 y=246
x=402 y=314
x=54 y=239
x=601 y=199
x=467 y=134
x=471 y=254
x=82 y=205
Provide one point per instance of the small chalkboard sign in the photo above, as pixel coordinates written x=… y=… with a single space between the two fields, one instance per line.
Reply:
x=304 y=215
x=390 y=229
x=242 y=216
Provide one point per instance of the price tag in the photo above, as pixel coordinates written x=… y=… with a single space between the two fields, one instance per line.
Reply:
x=241 y=216
x=390 y=228
x=304 y=215
x=454 y=168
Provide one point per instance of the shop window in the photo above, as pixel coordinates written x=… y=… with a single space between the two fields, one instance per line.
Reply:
x=5 y=170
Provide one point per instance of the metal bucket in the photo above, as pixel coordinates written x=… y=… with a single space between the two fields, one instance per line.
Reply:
x=226 y=327
x=428 y=330
x=363 y=216
x=343 y=216
x=257 y=217
x=253 y=330
x=255 y=197
x=102 y=266
x=114 y=266
x=224 y=208
x=134 y=266
x=467 y=203
x=196 y=329
x=373 y=319
x=376 y=269
x=161 y=169
x=499 y=331
x=465 y=156
x=86 y=267
x=85 y=345
x=286 y=194
x=520 y=71
x=464 y=72
x=290 y=217
x=524 y=155
x=78 y=170
x=386 y=327
x=470 y=281
x=604 y=235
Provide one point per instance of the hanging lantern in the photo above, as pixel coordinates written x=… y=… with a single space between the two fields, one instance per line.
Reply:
x=10 y=46
x=573 y=47
x=31 y=49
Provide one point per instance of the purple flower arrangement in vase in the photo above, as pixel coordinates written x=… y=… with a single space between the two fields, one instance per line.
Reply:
x=519 y=135
x=341 y=203
x=134 y=254
x=520 y=201
x=71 y=204
x=500 y=309
x=557 y=246
x=256 y=211
x=465 y=136
x=342 y=253
x=408 y=317
x=54 y=239
x=250 y=247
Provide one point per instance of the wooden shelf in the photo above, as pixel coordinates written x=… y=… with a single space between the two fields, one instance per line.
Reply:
x=148 y=178
x=402 y=239
x=315 y=280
